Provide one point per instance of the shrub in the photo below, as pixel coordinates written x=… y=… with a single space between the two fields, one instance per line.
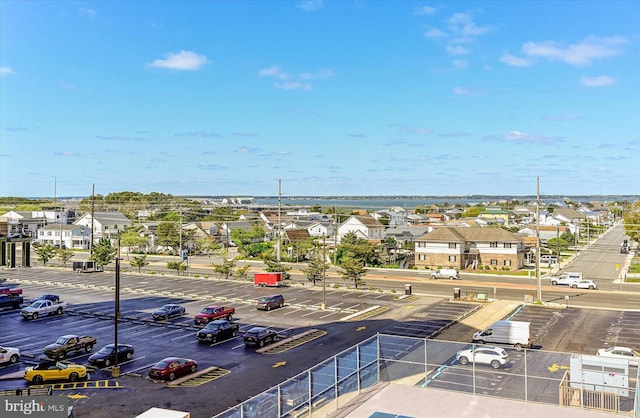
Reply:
x=152 y=272
x=393 y=291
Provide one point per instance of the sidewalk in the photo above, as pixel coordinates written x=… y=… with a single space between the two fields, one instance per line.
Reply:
x=479 y=320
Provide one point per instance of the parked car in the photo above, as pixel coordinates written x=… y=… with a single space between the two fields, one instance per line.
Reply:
x=107 y=356
x=49 y=370
x=172 y=367
x=170 y=310
x=210 y=313
x=496 y=357
x=52 y=298
x=621 y=352
x=9 y=355
x=11 y=302
x=548 y=258
x=217 y=330
x=445 y=274
x=584 y=284
x=69 y=343
x=270 y=302
x=43 y=307
x=259 y=336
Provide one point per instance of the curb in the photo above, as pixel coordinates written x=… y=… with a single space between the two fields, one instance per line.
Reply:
x=286 y=340
x=192 y=376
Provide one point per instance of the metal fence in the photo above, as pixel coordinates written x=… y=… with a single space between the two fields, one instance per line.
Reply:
x=529 y=376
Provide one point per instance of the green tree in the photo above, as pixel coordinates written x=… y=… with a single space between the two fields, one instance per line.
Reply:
x=139 y=261
x=131 y=238
x=167 y=235
x=359 y=248
x=316 y=268
x=65 y=255
x=178 y=266
x=473 y=211
x=632 y=222
x=352 y=269
x=242 y=271
x=225 y=270
x=103 y=252
x=208 y=246
x=45 y=253
x=274 y=266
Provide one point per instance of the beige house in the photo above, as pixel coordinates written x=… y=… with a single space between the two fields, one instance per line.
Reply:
x=364 y=226
x=470 y=248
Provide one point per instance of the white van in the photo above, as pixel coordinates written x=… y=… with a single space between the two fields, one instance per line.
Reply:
x=515 y=333
x=445 y=274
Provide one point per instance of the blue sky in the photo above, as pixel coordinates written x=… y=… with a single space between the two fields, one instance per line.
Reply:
x=332 y=97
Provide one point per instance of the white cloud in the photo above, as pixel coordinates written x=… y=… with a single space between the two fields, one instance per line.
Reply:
x=464 y=91
x=294 y=85
x=273 y=71
x=435 y=33
x=460 y=64
x=602 y=80
x=321 y=74
x=310 y=5
x=581 y=54
x=6 y=71
x=299 y=82
x=86 y=12
x=456 y=50
x=514 y=61
x=521 y=137
x=463 y=24
x=183 y=60
x=425 y=10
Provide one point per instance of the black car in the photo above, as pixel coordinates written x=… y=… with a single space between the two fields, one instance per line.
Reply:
x=52 y=298
x=259 y=336
x=107 y=356
x=170 y=310
x=217 y=330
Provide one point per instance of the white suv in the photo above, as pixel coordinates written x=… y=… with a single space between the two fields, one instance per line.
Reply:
x=445 y=274
x=496 y=357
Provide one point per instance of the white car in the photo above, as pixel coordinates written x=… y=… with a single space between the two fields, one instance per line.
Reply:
x=584 y=284
x=496 y=357
x=9 y=355
x=621 y=352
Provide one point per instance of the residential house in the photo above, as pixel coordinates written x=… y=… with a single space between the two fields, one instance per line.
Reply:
x=73 y=236
x=104 y=224
x=462 y=247
x=27 y=222
x=392 y=217
x=407 y=234
x=320 y=229
x=364 y=226
x=496 y=213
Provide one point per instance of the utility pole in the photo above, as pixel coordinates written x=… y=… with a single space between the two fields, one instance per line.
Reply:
x=55 y=209
x=93 y=208
x=279 y=226
x=324 y=273
x=538 y=278
x=335 y=236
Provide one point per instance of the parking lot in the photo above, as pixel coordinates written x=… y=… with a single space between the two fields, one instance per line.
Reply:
x=350 y=317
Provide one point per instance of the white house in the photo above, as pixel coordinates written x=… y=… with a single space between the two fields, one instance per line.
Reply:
x=104 y=224
x=73 y=236
x=364 y=226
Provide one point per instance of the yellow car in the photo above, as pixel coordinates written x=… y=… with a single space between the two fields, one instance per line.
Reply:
x=50 y=370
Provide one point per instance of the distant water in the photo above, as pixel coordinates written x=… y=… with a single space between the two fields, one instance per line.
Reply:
x=412 y=202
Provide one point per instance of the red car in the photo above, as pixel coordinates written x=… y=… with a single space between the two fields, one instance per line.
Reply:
x=172 y=367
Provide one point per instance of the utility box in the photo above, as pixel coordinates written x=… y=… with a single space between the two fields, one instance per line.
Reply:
x=456 y=293
x=601 y=374
x=407 y=289
x=273 y=279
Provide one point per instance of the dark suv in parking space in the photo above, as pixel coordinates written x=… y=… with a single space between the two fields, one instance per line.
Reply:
x=270 y=302
x=259 y=336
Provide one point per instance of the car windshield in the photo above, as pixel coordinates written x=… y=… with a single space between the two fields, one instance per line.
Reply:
x=106 y=350
x=207 y=310
x=62 y=340
x=264 y=299
x=254 y=331
x=211 y=326
x=61 y=366
x=165 y=308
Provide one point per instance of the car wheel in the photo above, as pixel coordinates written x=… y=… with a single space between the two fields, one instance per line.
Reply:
x=591 y=287
x=61 y=355
x=233 y=333
x=107 y=363
x=37 y=379
x=495 y=364
x=451 y=277
x=172 y=376
x=59 y=311
x=463 y=360
x=88 y=348
x=268 y=307
x=194 y=368
x=480 y=341
x=554 y=283
x=261 y=343
x=574 y=286
x=229 y=317
x=518 y=347
x=214 y=340
x=128 y=356
x=35 y=315
x=73 y=377
x=282 y=304
x=14 y=359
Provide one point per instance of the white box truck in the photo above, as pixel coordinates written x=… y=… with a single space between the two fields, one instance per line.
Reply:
x=516 y=333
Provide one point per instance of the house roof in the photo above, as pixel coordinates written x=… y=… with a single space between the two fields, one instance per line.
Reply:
x=568 y=213
x=463 y=234
x=368 y=221
x=296 y=235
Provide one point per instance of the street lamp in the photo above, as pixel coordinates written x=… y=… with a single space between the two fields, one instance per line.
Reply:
x=115 y=370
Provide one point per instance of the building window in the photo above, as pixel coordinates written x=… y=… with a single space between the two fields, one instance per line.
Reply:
x=452 y=258
x=493 y=244
x=507 y=262
x=48 y=233
x=453 y=245
x=421 y=257
x=507 y=245
x=494 y=262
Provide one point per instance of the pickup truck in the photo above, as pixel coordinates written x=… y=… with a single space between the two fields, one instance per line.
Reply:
x=210 y=313
x=566 y=279
x=43 y=307
x=12 y=302
x=6 y=290
x=69 y=343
